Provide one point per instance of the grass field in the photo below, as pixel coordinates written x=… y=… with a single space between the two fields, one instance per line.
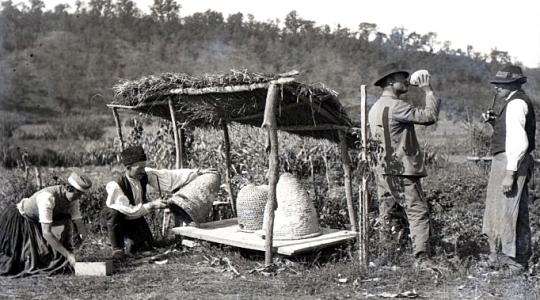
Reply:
x=455 y=189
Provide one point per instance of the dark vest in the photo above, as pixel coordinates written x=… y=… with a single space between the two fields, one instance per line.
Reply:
x=498 y=139
x=123 y=182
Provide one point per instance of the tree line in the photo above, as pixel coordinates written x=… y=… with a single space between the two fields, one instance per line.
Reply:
x=67 y=59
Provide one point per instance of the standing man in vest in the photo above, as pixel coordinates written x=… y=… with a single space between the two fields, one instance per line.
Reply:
x=506 y=217
x=400 y=162
x=127 y=202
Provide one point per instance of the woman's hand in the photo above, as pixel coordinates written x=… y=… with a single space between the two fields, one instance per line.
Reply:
x=55 y=243
x=71 y=259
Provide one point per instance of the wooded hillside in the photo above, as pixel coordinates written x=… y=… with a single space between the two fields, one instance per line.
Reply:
x=57 y=61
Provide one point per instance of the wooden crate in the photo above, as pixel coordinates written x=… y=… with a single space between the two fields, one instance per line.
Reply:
x=98 y=268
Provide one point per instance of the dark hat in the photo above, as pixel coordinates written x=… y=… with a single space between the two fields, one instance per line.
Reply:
x=509 y=74
x=387 y=70
x=133 y=155
x=80 y=182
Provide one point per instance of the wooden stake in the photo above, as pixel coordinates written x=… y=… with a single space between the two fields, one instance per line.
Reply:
x=346 y=164
x=227 y=150
x=182 y=138
x=24 y=158
x=363 y=193
x=270 y=125
x=39 y=182
x=175 y=132
x=118 y=127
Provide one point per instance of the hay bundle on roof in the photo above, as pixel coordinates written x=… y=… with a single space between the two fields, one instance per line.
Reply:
x=236 y=96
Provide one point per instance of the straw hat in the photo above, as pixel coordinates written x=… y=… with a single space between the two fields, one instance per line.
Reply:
x=250 y=203
x=295 y=216
x=80 y=182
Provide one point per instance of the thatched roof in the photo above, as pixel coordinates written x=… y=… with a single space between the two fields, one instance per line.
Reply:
x=208 y=100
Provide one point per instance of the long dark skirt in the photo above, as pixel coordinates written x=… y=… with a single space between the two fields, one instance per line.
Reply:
x=23 y=250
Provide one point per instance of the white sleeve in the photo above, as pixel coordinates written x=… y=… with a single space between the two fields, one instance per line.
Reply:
x=516 y=137
x=168 y=181
x=75 y=210
x=45 y=205
x=116 y=199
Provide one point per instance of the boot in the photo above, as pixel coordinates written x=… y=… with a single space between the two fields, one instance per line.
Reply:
x=118 y=254
x=424 y=262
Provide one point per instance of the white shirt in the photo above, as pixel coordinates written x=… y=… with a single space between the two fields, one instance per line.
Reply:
x=45 y=203
x=516 y=137
x=164 y=181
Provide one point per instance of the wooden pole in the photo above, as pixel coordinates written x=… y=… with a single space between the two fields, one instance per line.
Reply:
x=39 y=182
x=227 y=150
x=118 y=127
x=175 y=132
x=363 y=193
x=346 y=164
x=24 y=158
x=182 y=150
x=270 y=124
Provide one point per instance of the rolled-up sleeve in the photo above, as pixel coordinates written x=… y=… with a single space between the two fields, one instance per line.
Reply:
x=45 y=204
x=516 y=143
x=116 y=199
x=405 y=113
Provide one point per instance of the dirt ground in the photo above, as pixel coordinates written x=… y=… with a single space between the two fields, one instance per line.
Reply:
x=210 y=271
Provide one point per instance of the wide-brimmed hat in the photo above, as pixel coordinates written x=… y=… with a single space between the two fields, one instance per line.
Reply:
x=133 y=154
x=509 y=74
x=80 y=182
x=387 y=70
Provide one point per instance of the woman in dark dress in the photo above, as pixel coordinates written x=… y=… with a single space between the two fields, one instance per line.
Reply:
x=27 y=244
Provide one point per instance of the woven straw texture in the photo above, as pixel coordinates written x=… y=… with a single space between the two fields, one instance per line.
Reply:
x=295 y=216
x=250 y=204
x=196 y=197
x=211 y=99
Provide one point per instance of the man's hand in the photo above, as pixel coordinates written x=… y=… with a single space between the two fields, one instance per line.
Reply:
x=488 y=116
x=206 y=171
x=508 y=182
x=159 y=203
x=421 y=78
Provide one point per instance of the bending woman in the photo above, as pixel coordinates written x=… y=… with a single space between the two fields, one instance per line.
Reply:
x=27 y=245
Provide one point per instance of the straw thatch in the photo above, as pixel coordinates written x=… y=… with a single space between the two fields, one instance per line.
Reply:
x=208 y=100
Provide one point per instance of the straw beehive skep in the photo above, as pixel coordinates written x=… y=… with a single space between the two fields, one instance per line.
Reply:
x=250 y=204
x=295 y=216
x=197 y=197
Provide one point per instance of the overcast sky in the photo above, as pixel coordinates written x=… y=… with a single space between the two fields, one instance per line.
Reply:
x=512 y=26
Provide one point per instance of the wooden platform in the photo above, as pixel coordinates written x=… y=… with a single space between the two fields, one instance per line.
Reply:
x=226 y=232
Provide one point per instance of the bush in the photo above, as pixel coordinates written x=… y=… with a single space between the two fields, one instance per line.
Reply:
x=7 y=127
x=61 y=153
x=79 y=127
x=9 y=122
x=91 y=205
x=14 y=187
